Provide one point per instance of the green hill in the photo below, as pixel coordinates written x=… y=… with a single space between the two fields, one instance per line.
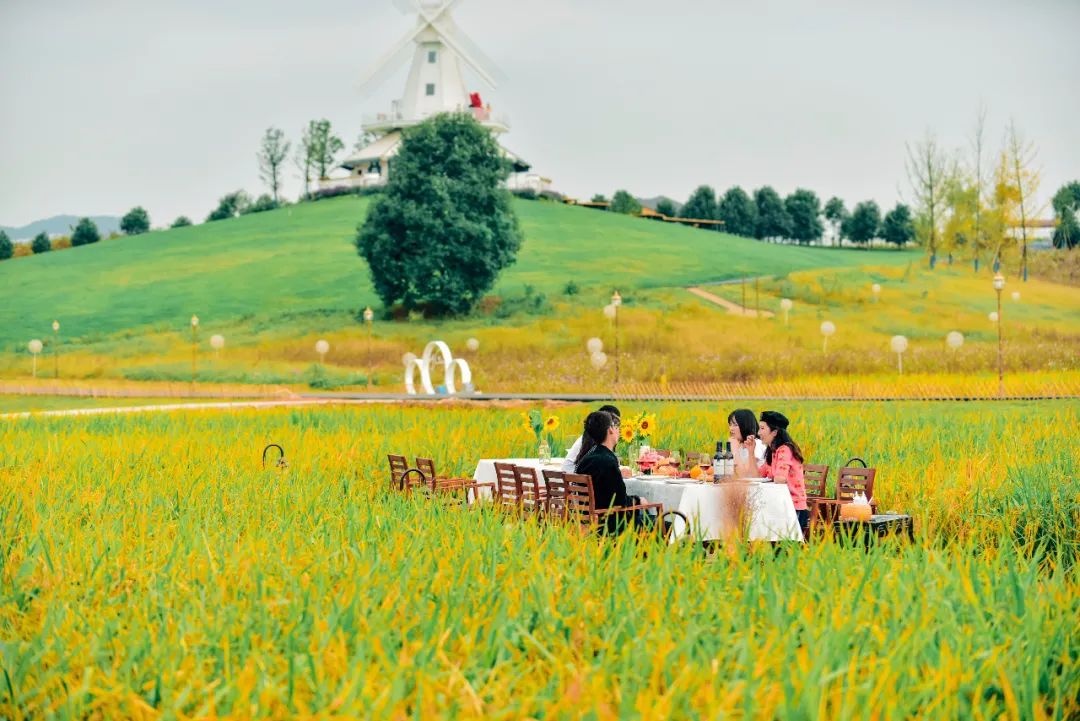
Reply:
x=301 y=259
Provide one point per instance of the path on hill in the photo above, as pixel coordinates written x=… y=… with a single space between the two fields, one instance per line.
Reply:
x=220 y=405
x=734 y=308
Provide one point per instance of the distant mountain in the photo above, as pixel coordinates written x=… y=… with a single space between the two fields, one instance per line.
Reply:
x=61 y=225
x=650 y=203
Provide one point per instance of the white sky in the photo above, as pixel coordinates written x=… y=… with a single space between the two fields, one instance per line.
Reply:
x=108 y=104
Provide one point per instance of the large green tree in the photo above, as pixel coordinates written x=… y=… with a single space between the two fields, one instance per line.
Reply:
x=136 y=222
x=805 y=210
x=1066 y=204
x=623 y=202
x=7 y=249
x=773 y=219
x=836 y=214
x=738 y=211
x=438 y=237
x=898 y=227
x=41 y=243
x=701 y=205
x=864 y=223
x=666 y=206
x=85 y=233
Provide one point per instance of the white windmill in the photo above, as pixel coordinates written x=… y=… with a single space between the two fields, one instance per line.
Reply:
x=436 y=84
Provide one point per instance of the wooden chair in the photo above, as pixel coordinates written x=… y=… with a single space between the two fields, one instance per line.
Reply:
x=555 y=503
x=816 y=479
x=442 y=483
x=851 y=480
x=507 y=486
x=533 y=494
x=398 y=467
x=581 y=503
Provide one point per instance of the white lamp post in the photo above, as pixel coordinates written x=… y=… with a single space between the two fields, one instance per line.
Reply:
x=194 y=346
x=899 y=345
x=598 y=360
x=322 y=348
x=827 y=329
x=1016 y=295
x=999 y=285
x=616 y=301
x=217 y=342
x=955 y=339
x=472 y=345
x=35 y=347
x=56 y=348
x=786 y=305
x=876 y=289
x=369 y=318
x=594 y=345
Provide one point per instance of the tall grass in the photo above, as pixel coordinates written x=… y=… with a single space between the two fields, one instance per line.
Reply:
x=151 y=569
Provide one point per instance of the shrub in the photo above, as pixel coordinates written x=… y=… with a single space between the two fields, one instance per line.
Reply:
x=182 y=222
x=136 y=222
x=6 y=248
x=230 y=206
x=262 y=204
x=61 y=242
x=571 y=289
x=623 y=202
x=41 y=243
x=85 y=233
x=21 y=250
x=525 y=193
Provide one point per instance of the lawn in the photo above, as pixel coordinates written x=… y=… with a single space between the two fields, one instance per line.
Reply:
x=152 y=569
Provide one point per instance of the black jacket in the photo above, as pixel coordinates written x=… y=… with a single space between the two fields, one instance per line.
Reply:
x=608 y=485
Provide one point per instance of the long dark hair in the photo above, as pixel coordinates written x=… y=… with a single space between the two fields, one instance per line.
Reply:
x=596 y=427
x=746 y=421
x=779 y=423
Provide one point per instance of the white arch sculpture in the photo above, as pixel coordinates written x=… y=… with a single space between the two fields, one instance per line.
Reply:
x=423 y=364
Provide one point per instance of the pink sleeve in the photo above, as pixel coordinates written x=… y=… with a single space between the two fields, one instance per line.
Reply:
x=782 y=459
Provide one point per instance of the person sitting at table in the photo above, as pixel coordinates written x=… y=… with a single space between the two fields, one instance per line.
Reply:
x=743 y=424
x=783 y=461
x=597 y=459
x=575 y=450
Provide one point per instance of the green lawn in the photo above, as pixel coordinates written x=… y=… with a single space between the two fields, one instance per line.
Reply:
x=301 y=260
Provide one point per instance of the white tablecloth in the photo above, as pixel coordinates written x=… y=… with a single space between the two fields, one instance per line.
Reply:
x=485 y=469
x=772 y=512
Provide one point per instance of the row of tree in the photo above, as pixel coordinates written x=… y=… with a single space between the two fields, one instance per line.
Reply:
x=85 y=232
x=316 y=154
x=799 y=217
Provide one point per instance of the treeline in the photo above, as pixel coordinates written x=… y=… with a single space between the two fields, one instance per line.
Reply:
x=799 y=218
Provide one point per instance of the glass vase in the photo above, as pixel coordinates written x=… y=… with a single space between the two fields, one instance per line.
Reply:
x=543 y=452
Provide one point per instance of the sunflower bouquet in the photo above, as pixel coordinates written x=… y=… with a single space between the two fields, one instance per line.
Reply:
x=635 y=430
x=542 y=427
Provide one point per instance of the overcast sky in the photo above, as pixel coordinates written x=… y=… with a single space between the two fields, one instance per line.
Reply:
x=106 y=104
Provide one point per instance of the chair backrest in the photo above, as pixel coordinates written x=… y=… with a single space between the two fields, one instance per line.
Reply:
x=855 y=479
x=580 y=498
x=398 y=466
x=555 y=482
x=532 y=491
x=816 y=477
x=427 y=467
x=507 y=487
x=662 y=453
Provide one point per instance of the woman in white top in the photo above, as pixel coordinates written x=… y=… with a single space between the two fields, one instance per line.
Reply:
x=743 y=424
x=568 y=464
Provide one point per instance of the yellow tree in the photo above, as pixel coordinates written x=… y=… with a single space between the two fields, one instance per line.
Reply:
x=1020 y=156
x=1002 y=217
x=929 y=169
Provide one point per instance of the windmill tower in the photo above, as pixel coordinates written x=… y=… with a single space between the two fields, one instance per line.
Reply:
x=436 y=84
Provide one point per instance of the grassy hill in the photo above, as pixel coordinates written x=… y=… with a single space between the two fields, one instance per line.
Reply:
x=301 y=259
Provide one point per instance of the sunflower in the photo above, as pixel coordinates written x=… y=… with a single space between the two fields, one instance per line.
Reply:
x=551 y=423
x=526 y=423
x=646 y=424
x=627 y=433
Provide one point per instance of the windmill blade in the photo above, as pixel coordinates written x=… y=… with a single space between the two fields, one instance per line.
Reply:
x=389 y=62
x=475 y=56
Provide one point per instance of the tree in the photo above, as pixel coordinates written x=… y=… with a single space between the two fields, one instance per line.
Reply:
x=260 y=205
x=321 y=146
x=182 y=222
x=928 y=169
x=962 y=210
x=836 y=214
x=599 y=198
x=1021 y=157
x=305 y=158
x=701 y=205
x=272 y=153
x=978 y=177
x=666 y=206
x=773 y=220
x=805 y=210
x=738 y=211
x=41 y=243
x=85 y=233
x=1066 y=204
x=230 y=206
x=444 y=227
x=136 y=222
x=7 y=249
x=898 y=228
x=623 y=202
x=865 y=222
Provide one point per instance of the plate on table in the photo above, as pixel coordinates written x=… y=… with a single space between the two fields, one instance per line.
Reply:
x=756 y=480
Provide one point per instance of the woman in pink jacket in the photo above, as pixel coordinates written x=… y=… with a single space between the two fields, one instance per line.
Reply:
x=783 y=461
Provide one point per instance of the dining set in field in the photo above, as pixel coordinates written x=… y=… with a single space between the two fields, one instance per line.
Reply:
x=676 y=507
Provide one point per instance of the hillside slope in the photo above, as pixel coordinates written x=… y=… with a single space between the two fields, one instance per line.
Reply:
x=301 y=259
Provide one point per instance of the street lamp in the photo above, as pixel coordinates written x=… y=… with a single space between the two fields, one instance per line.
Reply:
x=194 y=346
x=369 y=317
x=322 y=348
x=876 y=290
x=827 y=329
x=35 y=347
x=899 y=345
x=785 y=305
x=616 y=301
x=56 y=348
x=955 y=339
x=217 y=342
x=999 y=285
